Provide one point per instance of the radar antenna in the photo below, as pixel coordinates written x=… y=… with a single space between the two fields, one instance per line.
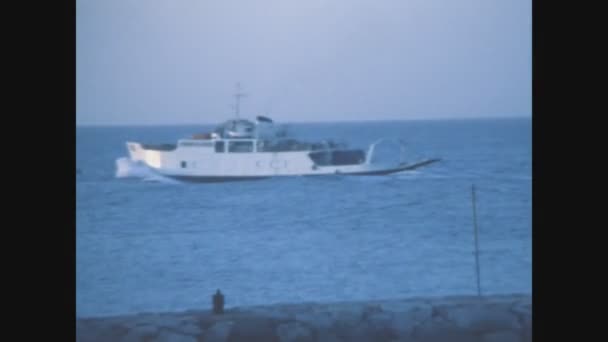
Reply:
x=237 y=96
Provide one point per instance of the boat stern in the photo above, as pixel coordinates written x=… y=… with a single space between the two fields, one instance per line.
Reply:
x=136 y=151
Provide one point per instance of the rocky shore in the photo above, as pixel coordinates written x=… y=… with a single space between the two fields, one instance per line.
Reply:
x=459 y=318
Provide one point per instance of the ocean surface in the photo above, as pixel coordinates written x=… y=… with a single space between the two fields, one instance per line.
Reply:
x=147 y=244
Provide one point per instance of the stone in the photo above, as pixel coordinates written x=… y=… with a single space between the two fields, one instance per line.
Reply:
x=159 y=320
x=253 y=329
x=401 y=305
x=403 y=323
x=345 y=318
x=327 y=336
x=483 y=319
x=170 y=336
x=116 y=331
x=365 y=332
x=320 y=320
x=294 y=332
x=140 y=333
x=445 y=334
x=501 y=336
x=190 y=329
x=527 y=332
x=218 y=332
x=379 y=320
x=436 y=319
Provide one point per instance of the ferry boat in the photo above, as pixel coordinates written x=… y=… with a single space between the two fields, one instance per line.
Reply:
x=241 y=149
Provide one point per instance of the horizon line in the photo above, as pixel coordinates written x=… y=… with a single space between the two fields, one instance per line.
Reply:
x=529 y=116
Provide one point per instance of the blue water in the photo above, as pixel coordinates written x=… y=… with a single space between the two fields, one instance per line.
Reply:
x=144 y=244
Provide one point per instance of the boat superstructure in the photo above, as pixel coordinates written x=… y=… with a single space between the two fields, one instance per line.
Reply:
x=240 y=149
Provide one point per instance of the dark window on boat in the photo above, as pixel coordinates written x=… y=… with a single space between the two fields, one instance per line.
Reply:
x=321 y=158
x=341 y=157
x=219 y=146
x=196 y=143
x=348 y=157
x=183 y=164
x=240 y=146
x=163 y=147
x=283 y=146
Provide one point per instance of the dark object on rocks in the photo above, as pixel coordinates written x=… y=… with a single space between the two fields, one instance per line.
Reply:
x=218 y=303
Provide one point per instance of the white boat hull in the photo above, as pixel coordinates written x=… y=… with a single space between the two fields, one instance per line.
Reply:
x=205 y=165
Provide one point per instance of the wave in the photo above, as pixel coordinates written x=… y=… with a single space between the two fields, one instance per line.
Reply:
x=126 y=168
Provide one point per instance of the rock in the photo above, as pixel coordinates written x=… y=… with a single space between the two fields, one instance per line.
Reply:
x=378 y=326
x=372 y=324
x=434 y=329
x=160 y=320
x=218 y=332
x=482 y=318
x=365 y=332
x=294 y=332
x=527 y=332
x=140 y=333
x=170 y=336
x=327 y=336
x=522 y=307
x=379 y=320
x=254 y=329
x=343 y=319
x=113 y=332
x=403 y=323
x=402 y=305
x=445 y=334
x=319 y=321
x=190 y=329
x=443 y=319
x=502 y=336
x=271 y=314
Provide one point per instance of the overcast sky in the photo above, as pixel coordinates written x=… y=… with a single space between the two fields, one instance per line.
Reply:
x=177 y=61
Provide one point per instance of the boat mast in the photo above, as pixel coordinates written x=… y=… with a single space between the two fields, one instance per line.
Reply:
x=237 y=97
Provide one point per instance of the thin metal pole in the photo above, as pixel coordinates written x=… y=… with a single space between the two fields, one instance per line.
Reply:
x=238 y=95
x=476 y=241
